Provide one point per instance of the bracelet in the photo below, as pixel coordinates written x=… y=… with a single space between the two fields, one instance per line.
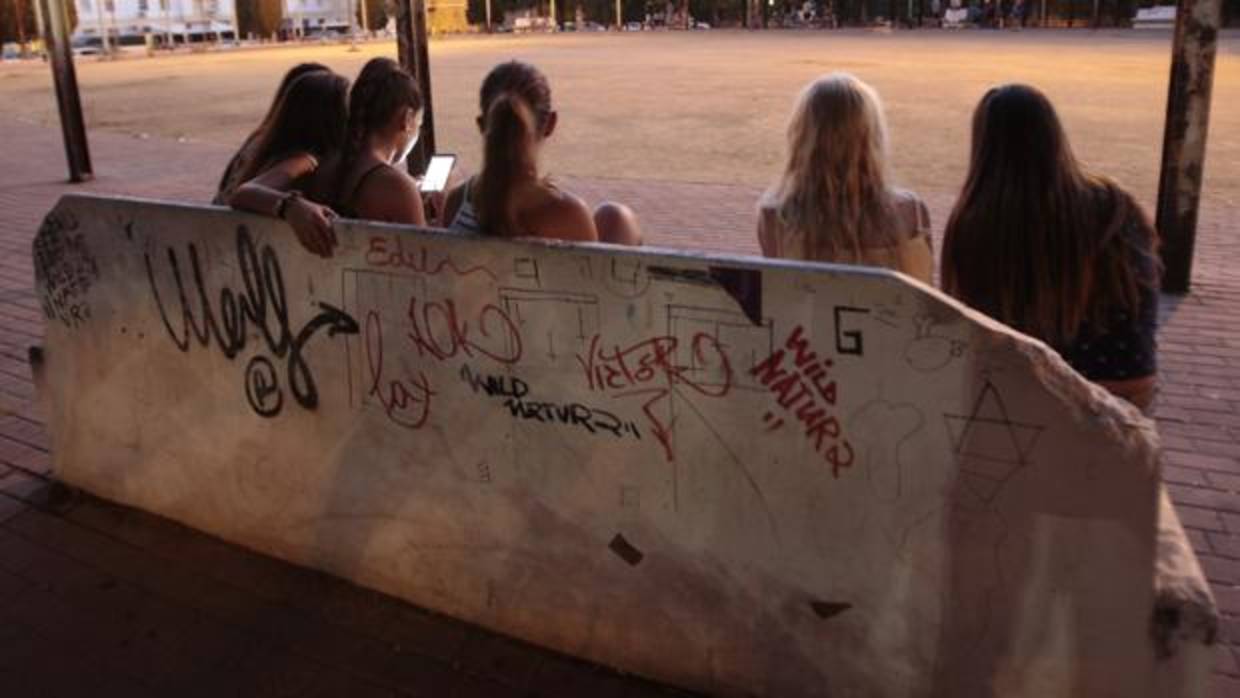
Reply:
x=282 y=205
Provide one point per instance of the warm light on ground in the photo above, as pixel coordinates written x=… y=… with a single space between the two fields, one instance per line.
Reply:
x=705 y=106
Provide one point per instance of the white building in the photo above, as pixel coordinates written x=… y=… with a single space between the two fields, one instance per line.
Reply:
x=164 y=18
x=183 y=20
x=310 y=17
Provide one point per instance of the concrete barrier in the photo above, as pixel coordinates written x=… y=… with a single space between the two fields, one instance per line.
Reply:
x=738 y=475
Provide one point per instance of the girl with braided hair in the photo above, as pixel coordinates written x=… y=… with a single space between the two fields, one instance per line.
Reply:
x=385 y=114
x=508 y=198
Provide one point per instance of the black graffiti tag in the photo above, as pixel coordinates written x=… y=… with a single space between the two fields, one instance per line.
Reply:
x=262 y=303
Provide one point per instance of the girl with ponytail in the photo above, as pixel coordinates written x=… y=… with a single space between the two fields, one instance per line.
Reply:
x=385 y=115
x=508 y=198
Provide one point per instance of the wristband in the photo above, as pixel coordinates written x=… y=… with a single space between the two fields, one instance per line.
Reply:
x=282 y=205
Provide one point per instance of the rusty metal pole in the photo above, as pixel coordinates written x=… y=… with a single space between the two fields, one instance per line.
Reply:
x=64 y=78
x=411 y=51
x=1184 y=137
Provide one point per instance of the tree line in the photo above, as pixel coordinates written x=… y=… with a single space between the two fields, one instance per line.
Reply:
x=19 y=20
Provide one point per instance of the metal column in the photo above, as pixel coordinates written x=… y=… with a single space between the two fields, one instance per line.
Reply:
x=1184 y=137
x=411 y=50
x=64 y=78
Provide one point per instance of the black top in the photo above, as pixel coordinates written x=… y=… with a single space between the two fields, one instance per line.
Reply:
x=345 y=206
x=1124 y=346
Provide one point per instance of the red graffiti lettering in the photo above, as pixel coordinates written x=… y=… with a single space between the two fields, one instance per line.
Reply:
x=649 y=369
x=436 y=330
x=390 y=252
x=406 y=401
x=797 y=389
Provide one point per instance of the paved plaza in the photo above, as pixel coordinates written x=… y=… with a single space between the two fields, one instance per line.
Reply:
x=100 y=600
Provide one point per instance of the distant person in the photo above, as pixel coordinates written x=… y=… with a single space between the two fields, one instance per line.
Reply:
x=385 y=116
x=282 y=175
x=1018 y=14
x=1052 y=250
x=833 y=202
x=508 y=197
x=229 y=180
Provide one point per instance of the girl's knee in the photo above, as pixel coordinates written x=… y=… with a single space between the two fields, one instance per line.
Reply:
x=617 y=224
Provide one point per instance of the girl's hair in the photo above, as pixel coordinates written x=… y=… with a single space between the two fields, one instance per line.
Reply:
x=229 y=181
x=516 y=102
x=381 y=90
x=1034 y=240
x=309 y=118
x=834 y=186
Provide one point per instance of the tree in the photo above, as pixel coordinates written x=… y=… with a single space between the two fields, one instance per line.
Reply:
x=260 y=17
x=376 y=14
x=17 y=21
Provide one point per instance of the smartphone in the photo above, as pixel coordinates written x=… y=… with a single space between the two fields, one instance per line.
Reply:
x=437 y=172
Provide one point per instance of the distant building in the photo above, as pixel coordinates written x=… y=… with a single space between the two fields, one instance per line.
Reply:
x=184 y=19
x=318 y=17
x=447 y=16
x=193 y=20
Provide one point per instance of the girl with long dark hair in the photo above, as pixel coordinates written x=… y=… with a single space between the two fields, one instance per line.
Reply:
x=307 y=127
x=229 y=181
x=1052 y=250
x=508 y=197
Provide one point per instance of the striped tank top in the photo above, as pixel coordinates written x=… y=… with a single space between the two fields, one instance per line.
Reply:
x=466 y=219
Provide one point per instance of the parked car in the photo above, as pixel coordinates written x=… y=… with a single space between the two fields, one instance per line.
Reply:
x=87 y=46
x=633 y=27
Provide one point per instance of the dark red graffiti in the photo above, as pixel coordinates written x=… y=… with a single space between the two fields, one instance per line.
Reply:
x=649 y=369
x=406 y=401
x=390 y=252
x=438 y=331
x=803 y=387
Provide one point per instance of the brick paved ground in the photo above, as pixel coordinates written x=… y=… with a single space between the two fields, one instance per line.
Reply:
x=98 y=599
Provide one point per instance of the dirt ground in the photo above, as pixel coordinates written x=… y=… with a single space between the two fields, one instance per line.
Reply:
x=704 y=106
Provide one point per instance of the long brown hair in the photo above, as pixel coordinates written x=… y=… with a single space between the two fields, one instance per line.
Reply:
x=228 y=181
x=1034 y=240
x=309 y=118
x=833 y=190
x=516 y=102
x=382 y=88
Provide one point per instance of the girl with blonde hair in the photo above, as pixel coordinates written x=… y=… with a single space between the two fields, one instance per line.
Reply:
x=833 y=202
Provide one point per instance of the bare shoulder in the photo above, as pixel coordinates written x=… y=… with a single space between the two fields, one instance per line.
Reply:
x=390 y=195
x=392 y=181
x=555 y=213
x=911 y=211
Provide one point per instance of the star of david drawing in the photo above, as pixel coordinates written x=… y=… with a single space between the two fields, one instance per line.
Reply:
x=990 y=446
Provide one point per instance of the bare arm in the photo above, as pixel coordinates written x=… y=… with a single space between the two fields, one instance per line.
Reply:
x=264 y=193
x=451 y=205
x=271 y=193
x=565 y=217
x=1138 y=391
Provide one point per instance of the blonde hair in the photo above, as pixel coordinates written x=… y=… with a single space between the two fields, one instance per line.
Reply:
x=833 y=190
